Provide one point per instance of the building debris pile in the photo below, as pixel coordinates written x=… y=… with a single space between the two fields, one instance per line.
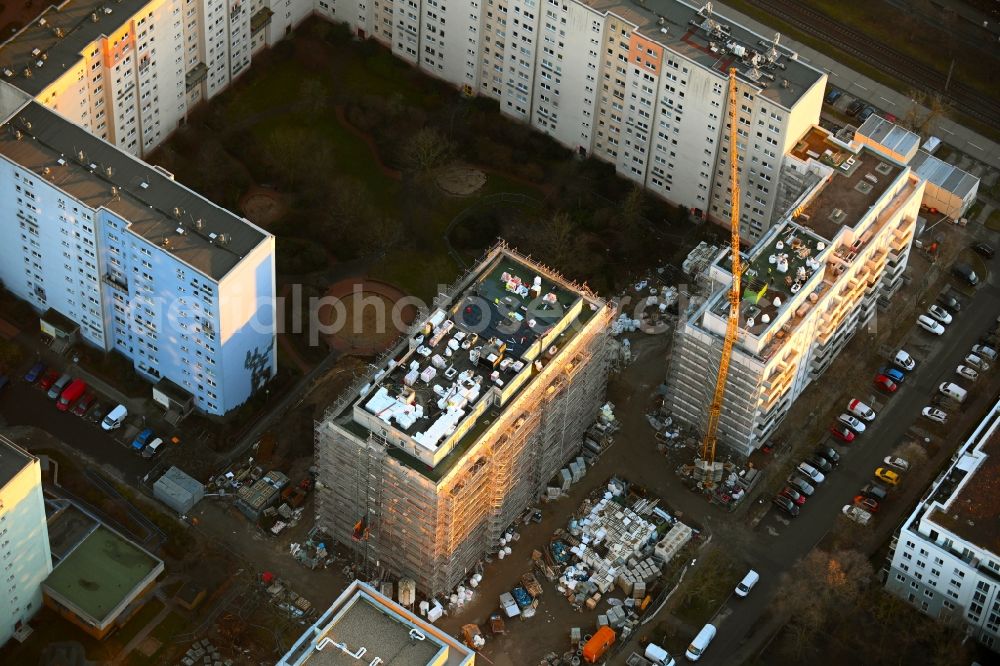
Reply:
x=312 y=552
x=282 y=596
x=699 y=259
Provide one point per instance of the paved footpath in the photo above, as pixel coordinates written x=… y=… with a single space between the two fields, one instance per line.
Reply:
x=950 y=132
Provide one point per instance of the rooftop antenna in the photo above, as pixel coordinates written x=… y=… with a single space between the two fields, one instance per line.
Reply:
x=706 y=10
x=772 y=55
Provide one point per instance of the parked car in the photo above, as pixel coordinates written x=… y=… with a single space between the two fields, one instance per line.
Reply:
x=153 y=448
x=895 y=374
x=830 y=454
x=83 y=404
x=745 y=585
x=114 y=418
x=897 y=462
x=801 y=485
x=48 y=379
x=930 y=325
x=935 y=414
x=793 y=495
x=965 y=273
x=34 y=372
x=140 y=440
x=842 y=433
x=810 y=472
x=861 y=410
x=820 y=463
x=949 y=302
x=976 y=362
x=851 y=422
x=885 y=384
x=832 y=95
x=939 y=313
x=865 y=113
x=857 y=514
x=887 y=476
x=903 y=360
x=72 y=393
x=984 y=250
x=4 y=382
x=967 y=372
x=855 y=107
x=985 y=352
x=56 y=389
x=866 y=503
x=876 y=491
x=786 y=505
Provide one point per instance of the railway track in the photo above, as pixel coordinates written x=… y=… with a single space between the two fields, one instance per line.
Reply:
x=963 y=98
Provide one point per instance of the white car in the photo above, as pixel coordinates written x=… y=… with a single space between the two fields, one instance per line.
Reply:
x=854 y=424
x=984 y=351
x=930 y=325
x=967 y=372
x=857 y=514
x=904 y=360
x=935 y=414
x=897 y=462
x=940 y=314
x=861 y=410
x=811 y=472
x=977 y=362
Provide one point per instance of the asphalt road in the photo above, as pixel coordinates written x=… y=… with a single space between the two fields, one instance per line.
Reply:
x=779 y=542
x=23 y=404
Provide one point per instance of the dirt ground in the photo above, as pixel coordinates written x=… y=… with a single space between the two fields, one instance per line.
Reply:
x=460 y=180
x=633 y=457
x=262 y=206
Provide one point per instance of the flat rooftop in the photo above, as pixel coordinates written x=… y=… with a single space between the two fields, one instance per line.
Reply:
x=893 y=137
x=849 y=194
x=779 y=267
x=68 y=527
x=208 y=238
x=946 y=176
x=973 y=513
x=717 y=43
x=13 y=459
x=55 y=40
x=361 y=618
x=101 y=573
x=466 y=360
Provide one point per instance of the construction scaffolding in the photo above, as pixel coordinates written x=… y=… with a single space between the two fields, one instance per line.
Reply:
x=435 y=523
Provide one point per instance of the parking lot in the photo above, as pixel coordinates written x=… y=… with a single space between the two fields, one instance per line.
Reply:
x=24 y=404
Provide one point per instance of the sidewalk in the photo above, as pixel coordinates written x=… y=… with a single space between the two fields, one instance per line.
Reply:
x=950 y=132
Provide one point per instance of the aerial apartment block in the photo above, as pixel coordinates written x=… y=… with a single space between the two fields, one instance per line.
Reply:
x=945 y=558
x=459 y=428
x=24 y=540
x=809 y=285
x=642 y=85
x=144 y=266
x=365 y=627
x=131 y=70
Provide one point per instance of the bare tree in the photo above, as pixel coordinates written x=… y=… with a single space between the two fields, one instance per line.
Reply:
x=820 y=583
x=289 y=149
x=632 y=208
x=313 y=95
x=426 y=150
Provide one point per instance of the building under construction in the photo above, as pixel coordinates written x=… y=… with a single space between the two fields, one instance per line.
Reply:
x=427 y=460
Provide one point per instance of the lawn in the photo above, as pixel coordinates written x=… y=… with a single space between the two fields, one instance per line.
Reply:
x=351 y=138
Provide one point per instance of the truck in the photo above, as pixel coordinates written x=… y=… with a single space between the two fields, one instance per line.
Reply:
x=598 y=644
x=71 y=394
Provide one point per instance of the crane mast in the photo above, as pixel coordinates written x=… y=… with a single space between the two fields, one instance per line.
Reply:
x=732 y=326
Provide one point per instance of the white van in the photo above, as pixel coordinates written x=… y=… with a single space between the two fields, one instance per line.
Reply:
x=658 y=655
x=700 y=642
x=743 y=589
x=114 y=418
x=953 y=391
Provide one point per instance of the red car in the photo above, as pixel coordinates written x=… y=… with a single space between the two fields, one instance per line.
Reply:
x=885 y=384
x=48 y=379
x=866 y=503
x=842 y=433
x=83 y=404
x=794 y=495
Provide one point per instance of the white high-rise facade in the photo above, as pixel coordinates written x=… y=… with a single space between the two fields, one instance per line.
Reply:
x=144 y=266
x=25 y=557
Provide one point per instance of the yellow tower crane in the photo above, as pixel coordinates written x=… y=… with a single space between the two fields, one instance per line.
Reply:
x=707 y=459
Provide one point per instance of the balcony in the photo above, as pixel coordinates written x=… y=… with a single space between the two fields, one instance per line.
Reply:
x=260 y=20
x=119 y=284
x=196 y=75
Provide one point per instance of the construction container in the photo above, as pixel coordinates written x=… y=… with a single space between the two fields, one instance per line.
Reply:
x=598 y=644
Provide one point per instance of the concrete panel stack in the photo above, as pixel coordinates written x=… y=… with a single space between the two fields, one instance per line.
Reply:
x=674 y=540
